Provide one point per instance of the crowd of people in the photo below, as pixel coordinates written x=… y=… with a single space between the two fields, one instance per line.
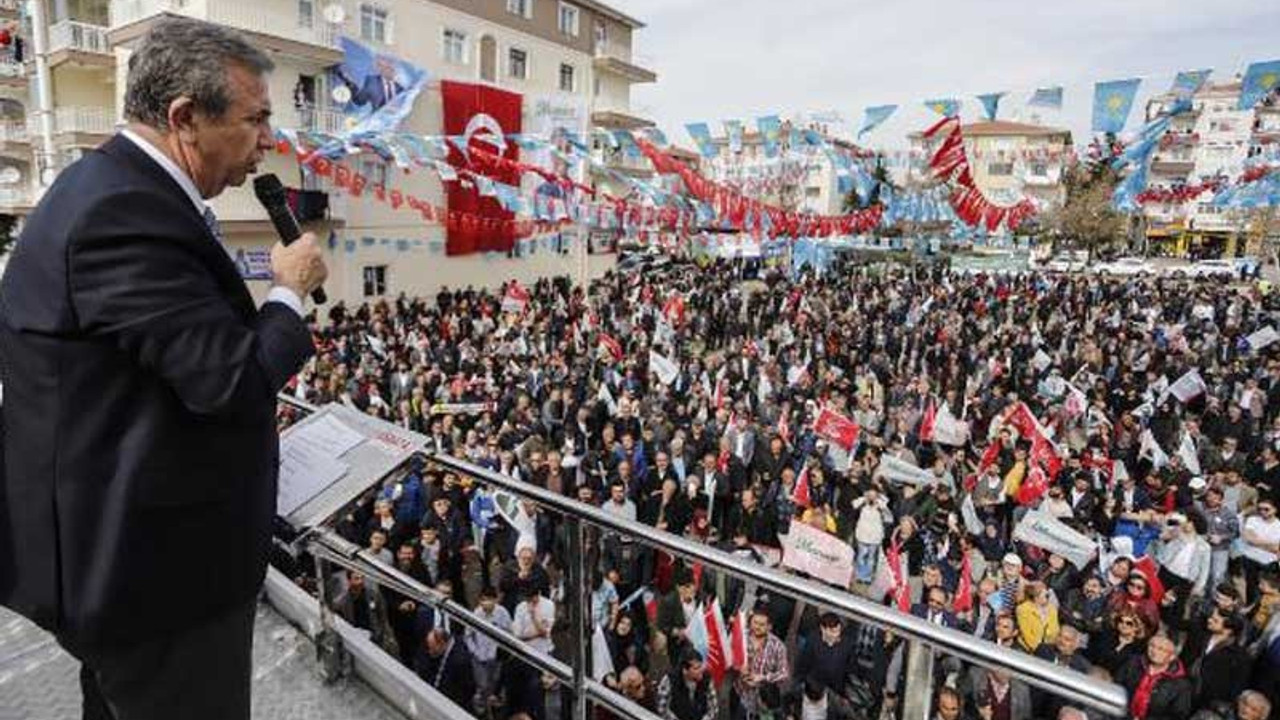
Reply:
x=1070 y=397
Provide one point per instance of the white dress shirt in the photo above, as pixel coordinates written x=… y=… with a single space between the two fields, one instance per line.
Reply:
x=278 y=293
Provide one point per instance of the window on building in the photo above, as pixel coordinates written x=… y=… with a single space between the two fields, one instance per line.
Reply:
x=455 y=46
x=595 y=86
x=306 y=13
x=520 y=7
x=1039 y=169
x=374 y=23
x=568 y=19
x=374 y=171
x=518 y=63
x=566 y=77
x=1000 y=168
x=375 y=280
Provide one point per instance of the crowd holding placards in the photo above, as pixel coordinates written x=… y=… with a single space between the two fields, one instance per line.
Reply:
x=1083 y=469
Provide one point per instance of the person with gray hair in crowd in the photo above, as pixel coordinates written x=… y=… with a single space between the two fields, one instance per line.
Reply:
x=137 y=520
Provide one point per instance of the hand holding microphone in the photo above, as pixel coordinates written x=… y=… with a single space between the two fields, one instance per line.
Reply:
x=296 y=261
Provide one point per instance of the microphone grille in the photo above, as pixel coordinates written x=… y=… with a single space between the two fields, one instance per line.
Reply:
x=269 y=189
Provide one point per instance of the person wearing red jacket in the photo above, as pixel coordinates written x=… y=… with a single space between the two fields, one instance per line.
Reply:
x=1158 y=686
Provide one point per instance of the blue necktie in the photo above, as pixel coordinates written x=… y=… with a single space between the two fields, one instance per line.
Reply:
x=211 y=221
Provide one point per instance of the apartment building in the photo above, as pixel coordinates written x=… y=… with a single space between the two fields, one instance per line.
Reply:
x=1210 y=143
x=800 y=178
x=571 y=63
x=1009 y=160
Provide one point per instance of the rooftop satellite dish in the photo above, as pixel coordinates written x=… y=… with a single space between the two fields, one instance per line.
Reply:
x=47 y=176
x=335 y=14
x=10 y=175
x=341 y=94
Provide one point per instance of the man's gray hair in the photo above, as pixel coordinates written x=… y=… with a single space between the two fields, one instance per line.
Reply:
x=182 y=57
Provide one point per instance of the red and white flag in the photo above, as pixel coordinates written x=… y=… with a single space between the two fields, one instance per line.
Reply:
x=483 y=117
x=901 y=590
x=516 y=298
x=800 y=493
x=964 y=588
x=836 y=428
x=613 y=346
x=928 y=422
x=718 y=658
x=738 y=641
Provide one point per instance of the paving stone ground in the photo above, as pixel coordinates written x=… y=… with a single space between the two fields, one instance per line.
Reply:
x=38 y=681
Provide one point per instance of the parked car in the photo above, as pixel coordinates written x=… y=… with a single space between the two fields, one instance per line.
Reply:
x=1069 y=261
x=1126 y=266
x=1214 y=269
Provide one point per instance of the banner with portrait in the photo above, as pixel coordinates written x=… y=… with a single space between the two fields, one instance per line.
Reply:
x=376 y=91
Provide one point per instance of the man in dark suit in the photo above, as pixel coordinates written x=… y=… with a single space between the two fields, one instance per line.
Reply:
x=140 y=385
x=377 y=88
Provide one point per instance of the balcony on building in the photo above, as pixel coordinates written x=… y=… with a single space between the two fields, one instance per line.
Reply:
x=79 y=43
x=623 y=163
x=289 y=28
x=320 y=118
x=618 y=117
x=1173 y=163
x=617 y=59
x=13 y=72
x=15 y=140
x=83 y=126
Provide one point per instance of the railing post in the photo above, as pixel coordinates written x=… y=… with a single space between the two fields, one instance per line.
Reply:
x=578 y=595
x=329 y=653
x=918 y=698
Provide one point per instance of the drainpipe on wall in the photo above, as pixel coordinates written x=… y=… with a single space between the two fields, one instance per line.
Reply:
x=44 y=92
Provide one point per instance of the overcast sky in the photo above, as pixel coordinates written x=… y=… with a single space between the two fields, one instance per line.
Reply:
x=739 y=59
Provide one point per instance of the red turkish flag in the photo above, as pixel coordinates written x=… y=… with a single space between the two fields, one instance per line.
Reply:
x=837 y=428
x=483 y=116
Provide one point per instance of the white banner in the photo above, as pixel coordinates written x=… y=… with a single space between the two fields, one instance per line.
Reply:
x=1263 y=338
x=902 y=471
x=1187 y=387
x=662 y=367
x=818 y=554
x=948 y=430
x=1052 y=535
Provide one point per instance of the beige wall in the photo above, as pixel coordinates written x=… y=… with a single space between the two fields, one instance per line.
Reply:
x=84 y=87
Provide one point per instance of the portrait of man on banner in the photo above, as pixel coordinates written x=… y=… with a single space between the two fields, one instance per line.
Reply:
x=376 y=91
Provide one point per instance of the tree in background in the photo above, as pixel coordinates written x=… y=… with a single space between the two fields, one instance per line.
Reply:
x=1087 y=220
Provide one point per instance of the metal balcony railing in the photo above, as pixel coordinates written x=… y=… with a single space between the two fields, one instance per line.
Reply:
x=321 y=119
x=923 y=639
x=281 y=20
x=80 y=119
x=14 y=131
x=72 y=35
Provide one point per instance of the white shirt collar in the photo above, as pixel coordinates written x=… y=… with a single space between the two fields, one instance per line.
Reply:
x=184 y=181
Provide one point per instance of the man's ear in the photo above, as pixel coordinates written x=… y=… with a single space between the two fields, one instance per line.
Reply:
x=183 y=118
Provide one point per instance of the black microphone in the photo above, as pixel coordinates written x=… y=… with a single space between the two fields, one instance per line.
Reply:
x=271 y=194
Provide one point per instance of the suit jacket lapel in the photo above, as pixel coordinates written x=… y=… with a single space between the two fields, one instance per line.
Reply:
x=201 y=239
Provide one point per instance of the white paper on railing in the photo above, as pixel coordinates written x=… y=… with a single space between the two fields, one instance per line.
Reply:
x=327 y=436
x=305 y=471
x=309 y=460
